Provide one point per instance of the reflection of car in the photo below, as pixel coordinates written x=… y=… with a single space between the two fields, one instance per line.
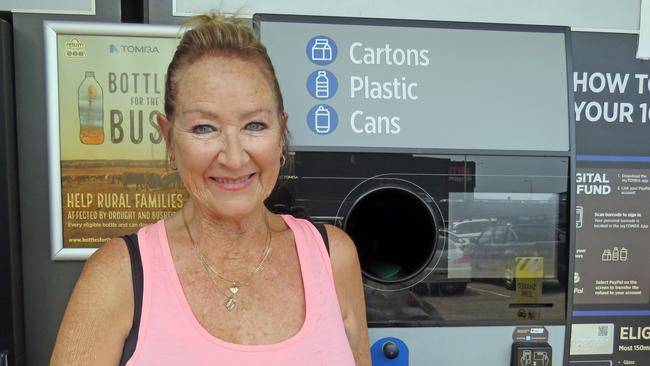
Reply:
x=470 y=229
x=495 y=251
x=452 y=272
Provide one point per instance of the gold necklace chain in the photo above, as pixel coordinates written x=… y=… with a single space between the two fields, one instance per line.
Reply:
x=230 y=302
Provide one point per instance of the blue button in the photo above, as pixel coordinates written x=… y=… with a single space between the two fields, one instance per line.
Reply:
x=379 y=358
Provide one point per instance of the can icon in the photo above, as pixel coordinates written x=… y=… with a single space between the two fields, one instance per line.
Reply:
x=322 y=119
x=623 y=254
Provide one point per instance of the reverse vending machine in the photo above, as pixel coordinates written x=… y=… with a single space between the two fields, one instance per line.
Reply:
x=445 y=151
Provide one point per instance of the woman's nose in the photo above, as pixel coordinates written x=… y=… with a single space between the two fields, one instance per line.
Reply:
x=233 y=155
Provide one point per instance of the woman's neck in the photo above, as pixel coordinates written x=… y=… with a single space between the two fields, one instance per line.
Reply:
x=231 y=237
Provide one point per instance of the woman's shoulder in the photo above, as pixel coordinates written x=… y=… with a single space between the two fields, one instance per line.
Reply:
x=100 y=311
x=342 y=248
x=106 y=278
x=109 y=268
x=110 y=254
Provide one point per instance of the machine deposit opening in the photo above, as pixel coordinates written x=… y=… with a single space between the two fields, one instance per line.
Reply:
x=394 y=232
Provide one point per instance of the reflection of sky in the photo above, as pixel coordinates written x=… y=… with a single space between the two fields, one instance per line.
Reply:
x=513 y=189
x=520 y=174
x=504 y=206
x=499 y=196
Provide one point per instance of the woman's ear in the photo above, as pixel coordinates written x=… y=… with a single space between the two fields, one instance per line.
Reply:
x=165 y=128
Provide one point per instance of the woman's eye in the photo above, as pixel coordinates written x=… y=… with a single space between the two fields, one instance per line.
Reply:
x=202 y=129
x=256 y=126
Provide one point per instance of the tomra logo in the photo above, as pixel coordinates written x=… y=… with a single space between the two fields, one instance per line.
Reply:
x=133 y=48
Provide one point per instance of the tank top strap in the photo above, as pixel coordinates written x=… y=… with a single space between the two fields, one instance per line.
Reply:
x=152 y=263
x=314 y=256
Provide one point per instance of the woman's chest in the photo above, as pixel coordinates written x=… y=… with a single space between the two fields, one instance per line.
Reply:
x=266 y=308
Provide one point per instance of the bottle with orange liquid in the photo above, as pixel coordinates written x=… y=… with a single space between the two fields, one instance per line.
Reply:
x=91 y=111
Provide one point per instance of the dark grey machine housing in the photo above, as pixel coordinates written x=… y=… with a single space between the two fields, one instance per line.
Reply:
x=12 y=343
x=486 y=141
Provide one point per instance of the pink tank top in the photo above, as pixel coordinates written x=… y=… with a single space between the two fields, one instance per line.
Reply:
x=169 y=334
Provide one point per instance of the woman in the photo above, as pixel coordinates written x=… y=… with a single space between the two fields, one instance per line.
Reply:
x=225 y=281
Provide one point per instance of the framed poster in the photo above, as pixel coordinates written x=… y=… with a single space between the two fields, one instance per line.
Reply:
x=108 y=169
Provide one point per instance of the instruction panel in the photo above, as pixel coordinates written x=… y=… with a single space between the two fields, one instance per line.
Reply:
x=612 y=219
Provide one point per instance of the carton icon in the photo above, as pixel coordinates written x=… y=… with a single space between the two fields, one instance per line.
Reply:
x=321 y=50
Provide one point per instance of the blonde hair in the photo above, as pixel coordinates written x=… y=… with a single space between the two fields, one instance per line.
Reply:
x=217 y=35
x=214 y=34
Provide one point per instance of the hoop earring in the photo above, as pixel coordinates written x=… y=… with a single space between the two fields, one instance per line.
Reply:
x=283 y=160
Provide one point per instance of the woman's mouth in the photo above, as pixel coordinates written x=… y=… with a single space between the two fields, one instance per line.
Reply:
x=233 y=183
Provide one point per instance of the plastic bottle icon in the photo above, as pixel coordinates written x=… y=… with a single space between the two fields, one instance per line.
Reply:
x=91 y=110
x=322 y=119
x=322 y=85
x=321 y=50
x=623 y=254
x=615 y=254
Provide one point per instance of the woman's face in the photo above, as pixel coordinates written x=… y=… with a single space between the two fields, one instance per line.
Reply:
x=227 y=135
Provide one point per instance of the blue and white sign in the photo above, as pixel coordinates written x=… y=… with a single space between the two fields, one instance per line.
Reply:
x=403 y=85
x=321 y=50
x=322 y=119
x=322 y=84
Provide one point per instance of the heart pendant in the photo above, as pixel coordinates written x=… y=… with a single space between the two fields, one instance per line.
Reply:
x=234 y=290
x=230 y=304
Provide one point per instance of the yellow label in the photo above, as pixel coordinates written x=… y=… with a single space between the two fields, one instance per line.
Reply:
x=529 y=267
x=529 y=273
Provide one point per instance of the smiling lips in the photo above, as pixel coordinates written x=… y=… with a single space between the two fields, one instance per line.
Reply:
x=233 y=183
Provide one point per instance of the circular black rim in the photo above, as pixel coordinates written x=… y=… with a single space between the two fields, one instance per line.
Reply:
x=395 y=234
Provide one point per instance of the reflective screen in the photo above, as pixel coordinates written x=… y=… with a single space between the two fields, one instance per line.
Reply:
x=446 y=238
x=502 y=248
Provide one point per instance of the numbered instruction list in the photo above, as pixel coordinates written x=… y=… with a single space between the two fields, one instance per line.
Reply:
x=612 y=218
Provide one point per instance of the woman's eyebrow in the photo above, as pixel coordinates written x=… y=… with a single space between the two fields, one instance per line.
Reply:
x=201 y=112
x=254 y=112
x=215 y=115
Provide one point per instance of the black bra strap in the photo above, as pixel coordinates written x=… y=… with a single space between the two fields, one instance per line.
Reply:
x=323 y=233
x=136 y=273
